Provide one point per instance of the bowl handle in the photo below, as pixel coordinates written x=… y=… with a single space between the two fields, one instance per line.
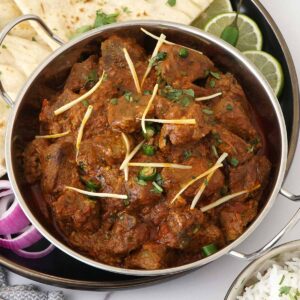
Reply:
x=294 y=220
x=5 y=31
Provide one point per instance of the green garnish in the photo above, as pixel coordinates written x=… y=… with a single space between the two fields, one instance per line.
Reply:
x=140 y=181
x=128 y=96
x=114 y=101
x=187 y=154
x=157 y=189
x=147 y=92
x=147 y=173
x=91 y=186
x=148 y=150
x=126 y=10
x=104 y=19
x=159 y=57
x=282 y=279
x=217 y=137
x=175 y=95
x=207 y=111
x=189 y=92
x=126 y=202
x=224 y=190
x=209 y=250
x=215 y=74
x=185 y=101
x=205 y=181
x=159 y=179
x=284 y=290
x=183 y=52
x=234 y=162
x=150 y=132
x=212 y=83
x=250 y=149
x=79 y=31
x=85 y=103
x=229 y=107
x=91 y=77
x=171 y=2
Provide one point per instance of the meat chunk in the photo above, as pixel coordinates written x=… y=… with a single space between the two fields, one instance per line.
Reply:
x=248 y=176
x=235 y=216
x=82 y=74
x=176 y=68
x=127 y=234
x=182 y=134
x=124 y=115
x=59 y=167
x=180 y=227
x=152 y=256
x=175 y=179
x=236 y=147
x=233 y=116
x=74 y=211
x=33 y=156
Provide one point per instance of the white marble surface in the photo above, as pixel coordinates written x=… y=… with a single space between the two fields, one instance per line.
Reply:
x=212 y=282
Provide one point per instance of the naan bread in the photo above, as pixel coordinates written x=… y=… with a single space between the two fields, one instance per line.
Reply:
x=64 y=17
x=4 y=110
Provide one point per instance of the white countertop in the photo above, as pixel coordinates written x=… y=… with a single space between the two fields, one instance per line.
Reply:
x=212 y=281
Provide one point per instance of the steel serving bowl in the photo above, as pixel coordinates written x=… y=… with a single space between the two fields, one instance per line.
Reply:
x=247 y=277
x=47 y=80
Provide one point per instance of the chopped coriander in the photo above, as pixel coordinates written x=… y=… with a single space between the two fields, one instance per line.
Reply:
x=205 y=181
x=114 y=101
x=128 y=96
x=79 y=31
x=217 y=137
x=147 y=92
x=150 y=132
x=126 y=202
x=250 y=148
x=183 y=52
x=255 y=141
x=157 y=188
x=148 y=150
x=171 y=2
x=126 y=10
x=212 y=83
x=91 y=186
x=187 y=154
x=104 y=19
x=284 y=290
x=85 y=103
x=189 y=92
x=159 y=179
x=185 y=101
x=140 y=181
x=215 y=74
x=91 y=77
x=234 y=162
x=207 y=111
x=159 y=57
x=229 y=107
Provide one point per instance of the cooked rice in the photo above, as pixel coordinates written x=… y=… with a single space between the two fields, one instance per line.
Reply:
x=278 y=282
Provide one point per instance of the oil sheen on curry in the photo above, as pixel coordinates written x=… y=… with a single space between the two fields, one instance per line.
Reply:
x=149 y=160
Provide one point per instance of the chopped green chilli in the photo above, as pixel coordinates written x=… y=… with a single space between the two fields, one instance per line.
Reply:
x=183 y=52
x=209 y=250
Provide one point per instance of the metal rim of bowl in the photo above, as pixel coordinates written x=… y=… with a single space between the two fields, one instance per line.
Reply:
x=137 y=282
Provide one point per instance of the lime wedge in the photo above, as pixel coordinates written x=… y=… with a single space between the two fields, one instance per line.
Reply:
x=250 y=37
x=269 y=67
x=215 y=8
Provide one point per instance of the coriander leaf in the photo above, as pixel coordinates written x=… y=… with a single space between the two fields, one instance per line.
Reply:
x=189 y=92
x=284 y=290
x=171 y=2
x=104 y=19
x=80 y=31
x=215 y=74
x=91 y=77
x=187 y=154
x=159 y=57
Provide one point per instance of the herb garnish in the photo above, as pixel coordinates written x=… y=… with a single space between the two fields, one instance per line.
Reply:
x=183 y=52
x=157 y=188
x=182 y=97
x=212 y=83
x=234 y=162
x=229 y=107
x=284 y=290
x=147 y=92
x=140 y=181
x=114 y=101
x=159 y=57
x=215 y=74
x=85 y=103
x=91 y=186
x=187 y=154
x=128 y=96
x=207 y=111
x=91 y=77
x=171 y=2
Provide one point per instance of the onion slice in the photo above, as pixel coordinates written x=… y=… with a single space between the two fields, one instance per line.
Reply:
x=36 y=254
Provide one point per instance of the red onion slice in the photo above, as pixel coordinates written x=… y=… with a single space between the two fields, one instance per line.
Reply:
x=35 y=255
x=24 y=240
x=5 y=185
x=13 y=220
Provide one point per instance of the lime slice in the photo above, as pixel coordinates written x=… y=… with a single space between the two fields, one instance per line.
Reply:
x=269 y=67
x=250 y=37
x=215 y=8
